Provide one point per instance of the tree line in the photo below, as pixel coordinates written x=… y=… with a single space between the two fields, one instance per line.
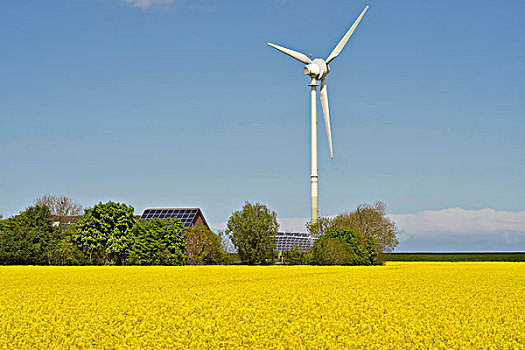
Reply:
x=109 y=234
x=361 y=237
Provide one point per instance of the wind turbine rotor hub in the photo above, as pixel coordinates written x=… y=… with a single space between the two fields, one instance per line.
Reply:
x=318 y=69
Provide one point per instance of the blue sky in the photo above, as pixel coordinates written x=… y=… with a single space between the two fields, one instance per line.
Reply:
x=181 y=103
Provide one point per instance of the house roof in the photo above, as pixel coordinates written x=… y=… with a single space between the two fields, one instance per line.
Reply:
x=188 y=216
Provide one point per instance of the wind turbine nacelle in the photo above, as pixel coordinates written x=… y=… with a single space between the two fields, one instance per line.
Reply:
x=318 y=69
x=312 y=70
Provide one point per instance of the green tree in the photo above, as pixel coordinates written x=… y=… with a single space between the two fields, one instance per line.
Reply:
x=320 y=227
x=252 y=231
x=28 y=238
x=60 y=205
x=374 y=231
x=158 y=242
x=360 y=255
x=296 y=256
x=104 y=233
x=332 y=251
x=64 y=250
x=204 y=246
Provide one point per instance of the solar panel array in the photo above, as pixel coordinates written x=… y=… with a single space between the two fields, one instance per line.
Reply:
x=286 y=241
x=186 y=215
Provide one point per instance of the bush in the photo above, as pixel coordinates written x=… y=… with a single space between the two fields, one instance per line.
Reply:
x=296 y=256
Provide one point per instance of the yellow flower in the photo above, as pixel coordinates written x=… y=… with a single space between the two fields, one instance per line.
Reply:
x=397 y=306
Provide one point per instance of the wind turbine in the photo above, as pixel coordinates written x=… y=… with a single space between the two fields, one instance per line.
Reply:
x=317 y=70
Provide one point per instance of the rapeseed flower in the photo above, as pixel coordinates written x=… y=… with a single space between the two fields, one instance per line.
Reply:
x=397 y=306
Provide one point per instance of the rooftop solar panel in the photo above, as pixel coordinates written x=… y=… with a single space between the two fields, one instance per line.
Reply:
x=186 y=215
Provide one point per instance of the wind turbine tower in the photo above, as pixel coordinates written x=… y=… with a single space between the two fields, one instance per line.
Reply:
x=317 y=70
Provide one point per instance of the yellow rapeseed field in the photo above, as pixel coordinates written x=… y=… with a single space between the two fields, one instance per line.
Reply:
x=401 y=305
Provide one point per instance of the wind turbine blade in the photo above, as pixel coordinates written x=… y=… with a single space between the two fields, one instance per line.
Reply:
x=345 y=38
x=326 y=113
x=301 y=57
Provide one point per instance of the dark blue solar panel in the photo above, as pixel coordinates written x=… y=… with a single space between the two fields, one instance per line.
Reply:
x=187 y=216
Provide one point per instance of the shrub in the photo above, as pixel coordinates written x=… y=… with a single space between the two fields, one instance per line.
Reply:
x=296 y=256
x=332 y=251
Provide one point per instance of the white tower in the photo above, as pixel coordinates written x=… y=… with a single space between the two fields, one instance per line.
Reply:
x=317 y=71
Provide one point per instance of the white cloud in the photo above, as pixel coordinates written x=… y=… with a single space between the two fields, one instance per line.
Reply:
x=293 y=224
x=513 y=237
x=451 y=229
x=404 y=236
x=457 y=229
x=458 y=220
x=148 y=3
x=450 y=220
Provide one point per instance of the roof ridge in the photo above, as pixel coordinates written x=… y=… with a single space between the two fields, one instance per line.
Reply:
x=172 y=208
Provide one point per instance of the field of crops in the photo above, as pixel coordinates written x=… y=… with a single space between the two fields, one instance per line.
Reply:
x=401 y=305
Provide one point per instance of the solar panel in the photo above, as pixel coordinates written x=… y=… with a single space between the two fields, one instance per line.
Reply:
x=186 y=215
x=292 y=240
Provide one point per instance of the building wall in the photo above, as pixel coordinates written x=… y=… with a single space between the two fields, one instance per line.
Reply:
x=199 y=221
